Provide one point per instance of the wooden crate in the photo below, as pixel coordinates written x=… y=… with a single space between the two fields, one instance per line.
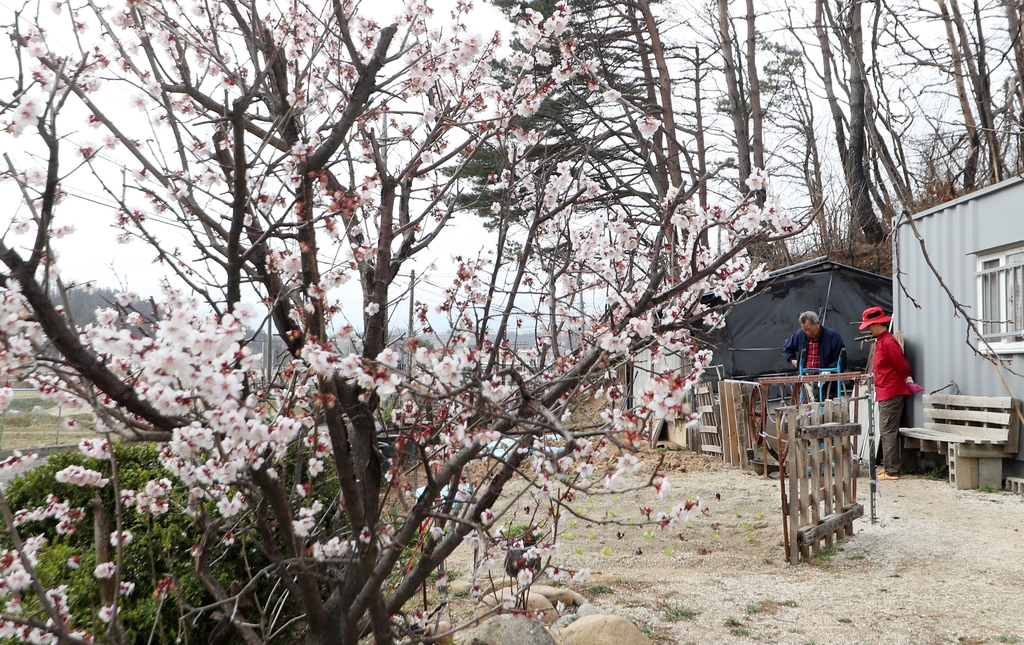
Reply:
x=817 y=476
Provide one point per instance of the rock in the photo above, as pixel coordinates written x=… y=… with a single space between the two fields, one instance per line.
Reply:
x=587 y=609
x=565 y=620
x=603 y=630
x=511 y=630
x=537 y=606
x=460 y=587
x=556 y=595
x=443 y=626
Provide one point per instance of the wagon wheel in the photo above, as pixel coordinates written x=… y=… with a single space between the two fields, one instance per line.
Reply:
x=757 y=415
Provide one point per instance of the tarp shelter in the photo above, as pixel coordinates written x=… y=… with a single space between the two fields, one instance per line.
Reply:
x=750 y=344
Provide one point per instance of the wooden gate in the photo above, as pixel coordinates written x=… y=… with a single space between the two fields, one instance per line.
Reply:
x=818 y=476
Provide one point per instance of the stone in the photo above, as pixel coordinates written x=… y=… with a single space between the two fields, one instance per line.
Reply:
x=443 y=627
x=603 y=630
x=556 y=595
x=586 y=609
x=511 y=630
x=537 y=606
x=460 y=587
x=565 y=620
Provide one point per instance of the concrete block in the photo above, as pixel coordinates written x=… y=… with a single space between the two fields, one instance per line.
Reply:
x=990 y=473
x=963 y=471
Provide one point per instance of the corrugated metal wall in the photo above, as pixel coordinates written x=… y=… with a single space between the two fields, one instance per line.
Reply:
x=935 y=336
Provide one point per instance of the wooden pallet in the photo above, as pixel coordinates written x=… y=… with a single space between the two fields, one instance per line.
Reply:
x=819 y=496
x=734 y=399
x=710 y=436
x=975 y=433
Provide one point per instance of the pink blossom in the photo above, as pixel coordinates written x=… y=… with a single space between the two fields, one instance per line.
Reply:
x=389 y=357
x=122 y=537
x=758 y=180
x=648 y=125
x=581 y=576
x=95 y=448
x=80 y=476
x=365 y=535
x=525 y=576
x=105 y=570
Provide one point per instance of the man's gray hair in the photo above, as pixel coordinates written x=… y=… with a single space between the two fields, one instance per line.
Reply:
x=810 y=317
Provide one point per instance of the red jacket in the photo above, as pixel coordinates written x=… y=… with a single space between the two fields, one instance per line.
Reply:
x=890 y=368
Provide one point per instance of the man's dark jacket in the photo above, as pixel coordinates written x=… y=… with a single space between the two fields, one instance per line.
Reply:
x=830 y=344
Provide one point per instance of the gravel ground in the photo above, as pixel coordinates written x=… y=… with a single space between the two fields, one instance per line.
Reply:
x=939 y=566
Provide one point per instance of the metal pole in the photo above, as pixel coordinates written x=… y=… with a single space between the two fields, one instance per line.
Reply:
x=873 y=478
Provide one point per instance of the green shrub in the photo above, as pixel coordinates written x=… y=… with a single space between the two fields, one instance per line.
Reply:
x=160 y=549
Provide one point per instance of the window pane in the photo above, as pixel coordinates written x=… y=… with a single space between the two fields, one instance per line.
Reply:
x=1014 y=299
x=1015 y=258
x=990 y=303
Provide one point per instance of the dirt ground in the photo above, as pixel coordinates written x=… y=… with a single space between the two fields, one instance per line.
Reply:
x=939 y=566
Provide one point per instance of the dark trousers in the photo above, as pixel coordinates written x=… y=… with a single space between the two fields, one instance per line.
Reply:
x=890 y=411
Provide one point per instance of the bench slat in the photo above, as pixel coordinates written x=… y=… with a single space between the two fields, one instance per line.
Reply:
x=1004 y=402
x=926 y=434
x=980 y=416
x=931 y=435
x=971 y=432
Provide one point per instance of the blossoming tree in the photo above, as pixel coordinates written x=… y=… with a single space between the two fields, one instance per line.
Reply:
x=267 y=155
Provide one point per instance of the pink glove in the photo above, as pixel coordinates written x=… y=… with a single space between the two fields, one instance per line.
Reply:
x=915 y=388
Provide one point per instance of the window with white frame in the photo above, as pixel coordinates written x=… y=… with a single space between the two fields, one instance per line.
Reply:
x=1001 y=295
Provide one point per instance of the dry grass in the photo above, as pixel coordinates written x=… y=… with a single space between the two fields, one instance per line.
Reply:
x=31 y=422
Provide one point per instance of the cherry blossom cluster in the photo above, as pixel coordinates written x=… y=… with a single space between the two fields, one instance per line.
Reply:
x=152 y=500
x=95 y=448
x=61 y=511
x=81 y=476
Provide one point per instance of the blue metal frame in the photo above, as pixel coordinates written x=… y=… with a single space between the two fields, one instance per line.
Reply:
x=802 y=369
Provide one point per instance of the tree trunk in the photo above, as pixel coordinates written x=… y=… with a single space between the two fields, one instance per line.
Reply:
x=838 y=121
x=737 y=109
x=977 y=68
x=970 y=170
x=664 y=84
x=702 y=155
x=1015 y=29
x=754 y=92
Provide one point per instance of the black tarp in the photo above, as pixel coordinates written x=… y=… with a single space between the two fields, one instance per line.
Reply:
x=750 y=344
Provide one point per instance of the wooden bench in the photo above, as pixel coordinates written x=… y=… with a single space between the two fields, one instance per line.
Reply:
x=974 y=432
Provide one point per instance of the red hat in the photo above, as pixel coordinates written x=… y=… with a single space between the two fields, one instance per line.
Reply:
x=873 y=315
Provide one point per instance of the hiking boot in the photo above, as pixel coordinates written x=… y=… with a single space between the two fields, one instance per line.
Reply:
x=883 y=476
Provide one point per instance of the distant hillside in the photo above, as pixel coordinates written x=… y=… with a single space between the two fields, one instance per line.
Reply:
x=83 y=305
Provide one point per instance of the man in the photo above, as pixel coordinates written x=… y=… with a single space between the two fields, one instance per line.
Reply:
x=892 y=373
x=818 y=346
